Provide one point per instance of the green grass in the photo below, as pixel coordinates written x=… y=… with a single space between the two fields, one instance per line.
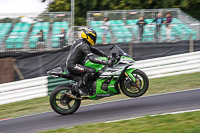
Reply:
x=177 y=123
x=157 y=86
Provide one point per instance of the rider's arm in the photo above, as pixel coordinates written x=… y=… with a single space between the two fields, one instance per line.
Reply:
x=98 y=51
x=91 y=57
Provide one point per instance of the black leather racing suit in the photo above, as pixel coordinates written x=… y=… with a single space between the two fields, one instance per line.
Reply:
x=75 y=61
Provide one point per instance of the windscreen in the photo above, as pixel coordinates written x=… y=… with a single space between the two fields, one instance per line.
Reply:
x=116 y=49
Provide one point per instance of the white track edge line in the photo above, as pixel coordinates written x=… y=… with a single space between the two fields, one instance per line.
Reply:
x=176 y=112
x=108 y=102
x=142 y=97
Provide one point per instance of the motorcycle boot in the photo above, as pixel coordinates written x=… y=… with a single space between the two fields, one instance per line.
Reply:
x=81 y=88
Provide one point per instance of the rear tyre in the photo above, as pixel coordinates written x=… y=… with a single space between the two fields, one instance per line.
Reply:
x=62 y=103
x=142 y=84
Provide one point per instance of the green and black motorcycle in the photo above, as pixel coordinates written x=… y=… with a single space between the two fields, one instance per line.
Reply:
x=108 y=81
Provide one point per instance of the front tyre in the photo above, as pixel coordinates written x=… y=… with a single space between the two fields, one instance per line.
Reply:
x=61 y=103
x=140 y=87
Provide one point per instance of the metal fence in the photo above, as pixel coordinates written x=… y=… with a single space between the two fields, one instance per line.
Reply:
x=18 y=31
x=35 y=17
x=150 y=33
x=184 y=27
x=33 y=43
x=26 y=39
x=129 y=14
x=127 y=34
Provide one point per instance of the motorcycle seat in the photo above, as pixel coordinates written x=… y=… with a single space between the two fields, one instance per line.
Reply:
x=60 y=72
x=70 y=76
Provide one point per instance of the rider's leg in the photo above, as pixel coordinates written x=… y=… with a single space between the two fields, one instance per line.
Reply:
x=78 y=69
x=89 y=74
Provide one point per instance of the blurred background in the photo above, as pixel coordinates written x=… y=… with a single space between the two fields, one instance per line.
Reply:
x=36 y=35
x=163 y=37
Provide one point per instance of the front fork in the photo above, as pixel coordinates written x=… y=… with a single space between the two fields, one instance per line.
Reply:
x=130 y=76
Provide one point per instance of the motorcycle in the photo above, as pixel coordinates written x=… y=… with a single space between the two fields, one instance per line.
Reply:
x=108 y=81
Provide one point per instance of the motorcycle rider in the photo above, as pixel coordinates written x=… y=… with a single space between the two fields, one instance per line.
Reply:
x=81 y=49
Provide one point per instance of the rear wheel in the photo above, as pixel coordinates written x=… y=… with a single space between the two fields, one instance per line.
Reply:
x=140 y=87
x=61 y=103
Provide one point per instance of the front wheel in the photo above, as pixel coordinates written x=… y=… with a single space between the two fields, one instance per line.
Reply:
x=140 y=87
x=61 y=103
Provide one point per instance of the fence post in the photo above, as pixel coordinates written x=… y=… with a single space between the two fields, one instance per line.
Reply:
x=130 y=49
x=191 y=44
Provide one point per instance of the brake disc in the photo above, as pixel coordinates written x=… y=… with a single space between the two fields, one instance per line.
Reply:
x=138 y=83
x=64 y=100
x=129 y=85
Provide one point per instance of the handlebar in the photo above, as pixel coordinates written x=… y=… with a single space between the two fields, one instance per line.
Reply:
x=115 y=58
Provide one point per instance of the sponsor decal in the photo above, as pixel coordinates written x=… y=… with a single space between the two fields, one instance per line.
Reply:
x=79 y=68
x=98 y=60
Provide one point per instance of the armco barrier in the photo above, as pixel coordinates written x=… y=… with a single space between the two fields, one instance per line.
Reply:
x=170 y=65
x=154 y=68
x=53 y=82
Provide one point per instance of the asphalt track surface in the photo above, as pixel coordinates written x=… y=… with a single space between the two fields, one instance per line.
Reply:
x=171 y=102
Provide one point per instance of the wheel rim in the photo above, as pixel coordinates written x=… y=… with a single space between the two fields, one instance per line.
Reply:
x=139 y=81
x=62 y=102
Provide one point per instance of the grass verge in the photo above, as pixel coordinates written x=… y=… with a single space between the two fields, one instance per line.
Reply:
x=176 y=123
x=157 y=86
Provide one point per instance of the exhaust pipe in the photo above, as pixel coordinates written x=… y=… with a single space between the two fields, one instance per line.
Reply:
x=72 y=96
